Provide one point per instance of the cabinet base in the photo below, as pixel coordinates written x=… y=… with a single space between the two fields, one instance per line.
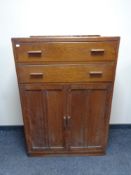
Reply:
x=65 y=153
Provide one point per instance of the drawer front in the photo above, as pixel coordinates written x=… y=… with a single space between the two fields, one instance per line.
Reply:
x=66 y=73
x=65 y=51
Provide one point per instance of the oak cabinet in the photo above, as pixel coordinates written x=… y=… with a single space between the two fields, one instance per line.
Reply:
x=66 y=86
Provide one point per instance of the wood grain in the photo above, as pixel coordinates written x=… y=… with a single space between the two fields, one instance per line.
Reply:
x=69 y=51
x=66 y=73
x=66 y=87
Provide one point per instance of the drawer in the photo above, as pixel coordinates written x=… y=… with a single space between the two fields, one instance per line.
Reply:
x=65 y=51
x=93 y=72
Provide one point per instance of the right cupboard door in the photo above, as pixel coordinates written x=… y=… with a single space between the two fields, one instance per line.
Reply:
x=88 y=116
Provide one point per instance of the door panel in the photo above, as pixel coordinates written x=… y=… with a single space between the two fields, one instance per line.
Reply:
x=87 y=109
x=43 y=109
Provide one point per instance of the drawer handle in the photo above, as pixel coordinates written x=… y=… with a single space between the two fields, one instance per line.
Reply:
x=97 y=51
x=95 y=73
x=34 y=53
x=36 y=75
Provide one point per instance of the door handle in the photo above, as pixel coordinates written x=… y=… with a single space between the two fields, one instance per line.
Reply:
x=65 y=121
x=68 y=121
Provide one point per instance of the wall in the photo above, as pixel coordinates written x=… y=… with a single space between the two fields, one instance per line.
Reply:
x=21 y=18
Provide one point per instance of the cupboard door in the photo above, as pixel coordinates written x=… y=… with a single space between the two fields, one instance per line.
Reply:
x=88 y=115
x=43 y=109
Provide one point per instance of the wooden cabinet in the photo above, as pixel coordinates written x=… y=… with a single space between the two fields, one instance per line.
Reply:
x=66 y=86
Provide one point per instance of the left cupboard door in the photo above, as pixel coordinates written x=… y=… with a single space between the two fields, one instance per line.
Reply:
x=43 y=114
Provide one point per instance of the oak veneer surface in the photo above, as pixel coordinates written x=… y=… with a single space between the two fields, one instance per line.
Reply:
x=66 y=51
x=66 y=73
x=66 y=87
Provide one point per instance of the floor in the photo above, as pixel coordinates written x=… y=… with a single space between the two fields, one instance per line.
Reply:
x=14 y=160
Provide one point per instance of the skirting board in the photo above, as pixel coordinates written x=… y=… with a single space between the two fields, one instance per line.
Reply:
x=20 y=127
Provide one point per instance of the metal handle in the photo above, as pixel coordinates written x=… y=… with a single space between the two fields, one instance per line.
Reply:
x=97 y=51
x=95 y=73
x=36 y=75
x=68 y=117
x=68 y=121
x=34 y=53
x=65 y=121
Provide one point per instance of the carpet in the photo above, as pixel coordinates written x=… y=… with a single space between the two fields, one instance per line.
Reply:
x=14 y=160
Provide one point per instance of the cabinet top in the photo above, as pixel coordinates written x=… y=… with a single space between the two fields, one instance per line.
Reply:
x=66 y=38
